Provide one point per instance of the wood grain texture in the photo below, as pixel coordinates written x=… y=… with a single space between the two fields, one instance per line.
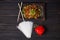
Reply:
x=8 y=16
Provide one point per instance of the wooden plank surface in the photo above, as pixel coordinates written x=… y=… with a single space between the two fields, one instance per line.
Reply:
x=8 y=16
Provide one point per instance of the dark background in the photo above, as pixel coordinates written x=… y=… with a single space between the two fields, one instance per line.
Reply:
x=8 y=16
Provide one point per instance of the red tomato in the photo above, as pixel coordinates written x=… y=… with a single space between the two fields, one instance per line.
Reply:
x=39 y=30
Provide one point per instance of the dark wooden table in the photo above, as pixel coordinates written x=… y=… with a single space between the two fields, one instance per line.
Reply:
x=8 y=16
